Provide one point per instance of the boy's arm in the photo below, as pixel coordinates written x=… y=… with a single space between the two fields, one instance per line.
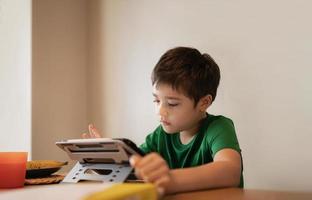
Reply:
x=224 y=171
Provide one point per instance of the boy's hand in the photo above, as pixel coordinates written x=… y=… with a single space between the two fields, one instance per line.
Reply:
x=152 y=168
x=93 y=133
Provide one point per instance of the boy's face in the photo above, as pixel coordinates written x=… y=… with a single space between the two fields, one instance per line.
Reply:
x=175 y=110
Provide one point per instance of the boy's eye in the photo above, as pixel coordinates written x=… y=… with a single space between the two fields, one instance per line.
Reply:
x=156 y=101
x=173 y=104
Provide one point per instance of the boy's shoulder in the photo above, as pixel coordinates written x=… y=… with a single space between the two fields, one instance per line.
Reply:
x=218 y=119
x=220 y=134
x=217 y=123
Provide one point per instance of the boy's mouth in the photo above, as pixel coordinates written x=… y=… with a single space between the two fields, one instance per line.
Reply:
x=165 y=123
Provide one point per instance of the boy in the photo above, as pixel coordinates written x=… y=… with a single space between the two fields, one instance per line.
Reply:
x=191 y=149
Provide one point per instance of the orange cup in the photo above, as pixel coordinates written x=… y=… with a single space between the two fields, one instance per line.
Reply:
x=12 y=169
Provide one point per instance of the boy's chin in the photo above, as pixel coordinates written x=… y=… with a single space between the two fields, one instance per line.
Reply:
x=169 y=130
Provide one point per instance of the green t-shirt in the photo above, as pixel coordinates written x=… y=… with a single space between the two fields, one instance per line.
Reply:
x=215 y=133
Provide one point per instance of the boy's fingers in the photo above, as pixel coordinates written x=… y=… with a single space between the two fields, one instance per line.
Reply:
x=151 y=167
x=161 y=191
x=154 y=175
x=150 y=158
x=90 y=127
x=145 y=166
x=162 y=181
x=134 y=160
x=94 y=133
x=85 y=135
x=137 y=174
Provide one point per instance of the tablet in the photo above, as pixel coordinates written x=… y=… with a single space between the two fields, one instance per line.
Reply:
x=100 y=150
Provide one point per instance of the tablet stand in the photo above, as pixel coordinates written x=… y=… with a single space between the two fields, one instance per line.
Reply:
x=104 y=160
x=101 y=172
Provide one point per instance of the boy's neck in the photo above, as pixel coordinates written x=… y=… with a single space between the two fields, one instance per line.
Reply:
x=187 y=135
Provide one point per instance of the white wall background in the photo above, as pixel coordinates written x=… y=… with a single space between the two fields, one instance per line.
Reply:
x=264 y=52
x=15 y=75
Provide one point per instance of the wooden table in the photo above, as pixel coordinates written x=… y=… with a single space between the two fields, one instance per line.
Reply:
x=80 y=190
x=241 y=194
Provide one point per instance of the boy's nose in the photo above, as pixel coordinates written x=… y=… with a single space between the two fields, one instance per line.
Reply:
x=162 y=112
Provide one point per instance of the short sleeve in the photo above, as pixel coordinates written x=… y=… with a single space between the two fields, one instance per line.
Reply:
x=221 y=135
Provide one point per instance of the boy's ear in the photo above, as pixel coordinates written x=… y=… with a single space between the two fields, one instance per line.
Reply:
x=205 y=102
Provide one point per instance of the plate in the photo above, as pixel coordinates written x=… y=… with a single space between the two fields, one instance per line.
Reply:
x=46 y=180
x=39 y=173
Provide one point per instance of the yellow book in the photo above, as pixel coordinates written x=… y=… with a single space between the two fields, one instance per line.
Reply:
x=125 y=191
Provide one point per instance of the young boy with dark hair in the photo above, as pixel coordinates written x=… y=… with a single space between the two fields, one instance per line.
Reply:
x=191 y=149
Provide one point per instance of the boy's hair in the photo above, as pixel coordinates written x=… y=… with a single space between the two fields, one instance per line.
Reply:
x=188 y=71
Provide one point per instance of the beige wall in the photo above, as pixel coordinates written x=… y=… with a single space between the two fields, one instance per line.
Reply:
x=15 y=75
x=59 y=74
x=99 y=71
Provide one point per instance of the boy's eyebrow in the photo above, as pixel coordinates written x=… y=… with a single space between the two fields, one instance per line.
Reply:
x=172 y=98
x=168 y=97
